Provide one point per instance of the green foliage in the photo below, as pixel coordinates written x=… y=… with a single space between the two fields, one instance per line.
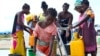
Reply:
x=5 y=35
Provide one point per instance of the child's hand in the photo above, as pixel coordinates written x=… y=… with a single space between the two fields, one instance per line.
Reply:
x=31 y=31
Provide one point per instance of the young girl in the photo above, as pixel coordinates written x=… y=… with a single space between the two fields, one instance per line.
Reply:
x=45 y=32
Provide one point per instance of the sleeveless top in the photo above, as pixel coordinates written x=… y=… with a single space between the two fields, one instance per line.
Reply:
x=17 y=27
x=88 y=12
x=88 y=31
x=41 y=17
x=64 y=22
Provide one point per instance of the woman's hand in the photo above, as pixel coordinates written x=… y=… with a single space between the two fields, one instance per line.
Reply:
x=70 y=27
x=14 y=36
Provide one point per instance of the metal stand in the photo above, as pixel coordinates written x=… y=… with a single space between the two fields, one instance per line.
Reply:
x=59 y=36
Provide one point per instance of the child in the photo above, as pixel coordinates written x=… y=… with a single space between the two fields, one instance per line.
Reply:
x=45 y=32
x=31 y=22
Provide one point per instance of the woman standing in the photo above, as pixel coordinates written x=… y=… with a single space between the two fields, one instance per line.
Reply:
x=65 y=19
x=44 y=7
x=86 y=24
x=18 y=46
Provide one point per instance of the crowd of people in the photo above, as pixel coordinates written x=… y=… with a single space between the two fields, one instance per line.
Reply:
x=45 y=28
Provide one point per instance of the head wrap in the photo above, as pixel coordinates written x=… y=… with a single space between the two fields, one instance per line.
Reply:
x=78 y=2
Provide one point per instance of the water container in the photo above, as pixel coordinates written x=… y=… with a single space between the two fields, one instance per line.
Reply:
x=31 y=40
x=31 y=53
x=77 y=46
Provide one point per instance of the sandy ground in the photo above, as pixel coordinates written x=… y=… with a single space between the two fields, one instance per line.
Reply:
x=5 y=44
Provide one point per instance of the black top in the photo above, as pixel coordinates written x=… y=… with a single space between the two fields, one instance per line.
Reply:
x=64 y=22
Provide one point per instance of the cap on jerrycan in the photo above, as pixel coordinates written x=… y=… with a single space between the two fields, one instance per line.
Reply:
x=31 y=53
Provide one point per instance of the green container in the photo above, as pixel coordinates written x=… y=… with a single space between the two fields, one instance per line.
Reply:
x=31 y=53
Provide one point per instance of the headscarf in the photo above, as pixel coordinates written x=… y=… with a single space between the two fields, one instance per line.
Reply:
x=78 y=3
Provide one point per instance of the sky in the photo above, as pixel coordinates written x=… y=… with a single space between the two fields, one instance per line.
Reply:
x=8 y=9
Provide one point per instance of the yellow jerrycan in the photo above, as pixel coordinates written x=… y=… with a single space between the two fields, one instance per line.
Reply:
x=77 y=45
